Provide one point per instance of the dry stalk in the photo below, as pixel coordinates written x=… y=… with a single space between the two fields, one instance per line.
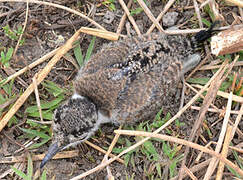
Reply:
x=150 y=15
x=224 y=152
x=209 y=67
x=131 y=19
x=197 y=10
x=123 y=19
x=237 y=121
x=224 y=94
x=100 y=33
x=39 y=157
x=215 y=110
x=37 y=97
x=113 y=143
x=227 y=42
x=25 y=23
x=167 y=6
x=236 y=2
x=214 y=161
x=189 y=173
x=103 y=151
x=183 y=142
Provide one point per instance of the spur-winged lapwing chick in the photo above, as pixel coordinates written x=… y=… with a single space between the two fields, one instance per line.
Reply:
x=125 y=82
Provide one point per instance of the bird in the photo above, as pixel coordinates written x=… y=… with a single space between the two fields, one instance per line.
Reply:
x=123 y=83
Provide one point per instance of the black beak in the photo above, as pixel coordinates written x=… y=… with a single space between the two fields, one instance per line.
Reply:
x=53 y=149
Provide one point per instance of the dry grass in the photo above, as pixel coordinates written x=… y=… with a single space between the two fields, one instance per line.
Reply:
x=227 y=131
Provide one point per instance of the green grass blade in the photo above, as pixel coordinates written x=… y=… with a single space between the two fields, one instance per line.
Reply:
x=45 y=105
x=45 y=114
x=78 y=54
x=37 y=145
x=30 y=167
x=20 y=173
x=53 y=88
x=43 y=176
x=151 y=149
x=206 y=22
x=36 y=133
x=90 y=49
x=158 y=168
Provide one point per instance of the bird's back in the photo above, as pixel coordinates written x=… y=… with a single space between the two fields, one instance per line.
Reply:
x=128 y=80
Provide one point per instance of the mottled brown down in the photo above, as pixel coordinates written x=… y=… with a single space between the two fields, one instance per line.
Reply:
x=140 y=98
x=125 y=82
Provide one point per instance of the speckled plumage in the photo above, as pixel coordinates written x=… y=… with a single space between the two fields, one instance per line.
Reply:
x=129 y=79
x=125 y=82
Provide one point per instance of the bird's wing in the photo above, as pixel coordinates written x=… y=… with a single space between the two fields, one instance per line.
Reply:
x=115 y=53
x=143 y=98
x=131 y=74
x=100 y=88
x=110 y=54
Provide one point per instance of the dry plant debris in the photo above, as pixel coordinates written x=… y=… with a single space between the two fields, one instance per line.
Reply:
x=215 y=100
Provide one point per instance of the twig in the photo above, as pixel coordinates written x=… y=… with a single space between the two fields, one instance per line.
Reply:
x=123 y=19
x=10 y=71
x=167 y=6
x=214 y=7
x=183 y=142
x=25 y=23
x=214 y=161
x=227 y=42
x=195 y=168
x=224 y=152
x=224 y=94
x=182 y=93
x=188 y=85
x=150 y=15
x=103 y=151
x=215 y=110
x=237 y=121
x=204 y=3
x=197 y=10
x=37 y=96
x=7 y=103
x=131 y=19
x=100 y=33
x=111 y=146
x=236 y=2
x=39 y=157
x=10 y=12
x=189 y=173
x=13 y=141
x=201 y=153
x=188 y=31
x=209 y=67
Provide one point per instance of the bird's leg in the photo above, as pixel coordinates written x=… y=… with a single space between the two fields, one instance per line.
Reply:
x=190 y=62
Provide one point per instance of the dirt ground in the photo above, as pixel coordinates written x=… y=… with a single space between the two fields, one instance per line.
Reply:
x=48 y=28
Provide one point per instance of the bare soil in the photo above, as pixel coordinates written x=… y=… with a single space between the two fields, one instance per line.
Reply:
x=50 y=27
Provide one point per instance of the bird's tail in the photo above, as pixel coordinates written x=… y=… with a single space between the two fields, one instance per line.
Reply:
x=203 y=35
x=192 y=60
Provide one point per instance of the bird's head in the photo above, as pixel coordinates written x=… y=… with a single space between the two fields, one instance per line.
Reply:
x=73 y=122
